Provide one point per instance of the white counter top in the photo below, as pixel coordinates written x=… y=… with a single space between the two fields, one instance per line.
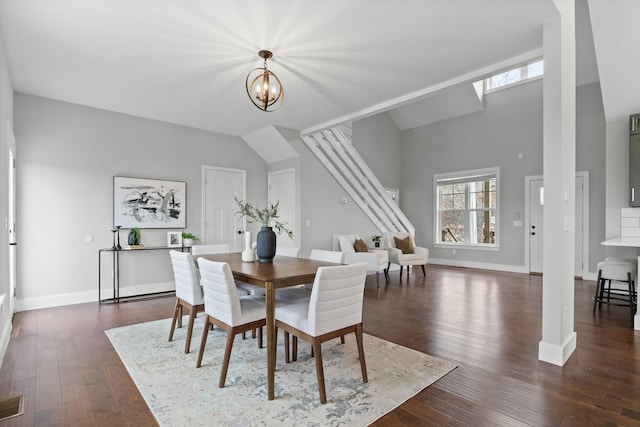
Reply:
x=629 y=242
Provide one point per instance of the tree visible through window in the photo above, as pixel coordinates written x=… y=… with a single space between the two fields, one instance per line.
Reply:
x=467 y=208
x=515 y=76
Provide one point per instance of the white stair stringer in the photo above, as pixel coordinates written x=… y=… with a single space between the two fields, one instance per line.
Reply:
x=335 y=151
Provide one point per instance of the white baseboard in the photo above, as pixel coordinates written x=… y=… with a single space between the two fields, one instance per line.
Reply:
x=557 y=354
x=479 y=265
x=5 y=334
x=89 y=296
x=497 y=267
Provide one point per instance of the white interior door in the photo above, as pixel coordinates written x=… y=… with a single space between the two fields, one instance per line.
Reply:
x=536 y=200
x=220 y=222
x=282 y=189
x=536 y=203
x=11 y=220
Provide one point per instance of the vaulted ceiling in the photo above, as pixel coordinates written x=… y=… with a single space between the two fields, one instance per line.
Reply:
x=185 y=62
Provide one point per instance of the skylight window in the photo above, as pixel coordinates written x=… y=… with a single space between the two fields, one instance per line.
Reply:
x=514 y=77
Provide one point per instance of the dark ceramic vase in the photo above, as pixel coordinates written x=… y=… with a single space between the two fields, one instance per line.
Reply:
x=266 y=244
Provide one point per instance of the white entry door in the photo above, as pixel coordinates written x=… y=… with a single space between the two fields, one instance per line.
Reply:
x=536 y=202
x=11 y=220
x=220 y=222
x=282 y=189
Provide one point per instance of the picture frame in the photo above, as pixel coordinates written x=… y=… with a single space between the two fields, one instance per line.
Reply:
x=174 y=239
x=149 y=203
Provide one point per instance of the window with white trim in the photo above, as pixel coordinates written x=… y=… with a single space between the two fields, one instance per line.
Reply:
x=528 y=72
x=467 y=208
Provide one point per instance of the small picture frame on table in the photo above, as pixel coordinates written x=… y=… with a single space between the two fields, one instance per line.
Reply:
x=174 y=239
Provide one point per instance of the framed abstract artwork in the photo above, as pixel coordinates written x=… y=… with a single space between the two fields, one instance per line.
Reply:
x=149 y=203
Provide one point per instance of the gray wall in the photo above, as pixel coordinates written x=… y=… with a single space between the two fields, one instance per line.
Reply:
x=6 y=119
x=68 y=157
x=590 y=155
x=511 y=123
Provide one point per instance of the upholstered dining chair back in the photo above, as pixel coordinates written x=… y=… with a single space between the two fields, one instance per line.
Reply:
x=209 y=249
x=220 y=293
x=185 y=274
x=326 y=256
x=336 y=298
x=286 y=251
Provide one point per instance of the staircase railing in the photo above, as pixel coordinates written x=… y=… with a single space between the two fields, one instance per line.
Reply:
x=334 y=150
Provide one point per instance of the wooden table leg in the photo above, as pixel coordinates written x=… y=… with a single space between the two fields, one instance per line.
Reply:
x=270 y=296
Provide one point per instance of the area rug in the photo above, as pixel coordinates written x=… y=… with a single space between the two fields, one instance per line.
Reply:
x=178 y=393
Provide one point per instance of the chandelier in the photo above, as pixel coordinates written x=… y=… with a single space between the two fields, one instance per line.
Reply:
x=264 y=87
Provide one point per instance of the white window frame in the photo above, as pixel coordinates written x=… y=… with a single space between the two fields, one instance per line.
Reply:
x=524 y=78
x=466 y=176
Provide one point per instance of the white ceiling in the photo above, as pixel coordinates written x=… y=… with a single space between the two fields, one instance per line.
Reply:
x=185 y=62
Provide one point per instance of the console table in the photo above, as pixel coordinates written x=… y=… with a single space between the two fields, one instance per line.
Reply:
x=115 y=271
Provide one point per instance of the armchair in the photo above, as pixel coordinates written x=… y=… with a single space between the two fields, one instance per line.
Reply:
x=420 y=256
x=377 y=260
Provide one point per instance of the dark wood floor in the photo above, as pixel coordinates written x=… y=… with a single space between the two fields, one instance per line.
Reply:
x=487 y=322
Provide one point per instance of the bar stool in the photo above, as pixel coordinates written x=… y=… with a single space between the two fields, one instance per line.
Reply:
x=616 y=270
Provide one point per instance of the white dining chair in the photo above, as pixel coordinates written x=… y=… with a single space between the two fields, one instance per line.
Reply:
x=223 y=248
x=189 y=293
x=302 y=293
x=335 y=309
x=287 y=251
x=225 y=309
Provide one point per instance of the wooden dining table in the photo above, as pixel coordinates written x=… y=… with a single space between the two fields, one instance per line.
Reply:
x=281 y=273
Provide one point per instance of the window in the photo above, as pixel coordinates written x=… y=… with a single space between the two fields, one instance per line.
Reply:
x=513 y=77
x=467 y=208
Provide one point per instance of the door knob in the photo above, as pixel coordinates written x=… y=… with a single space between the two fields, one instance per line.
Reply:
x=240 y=231
x=533 y=233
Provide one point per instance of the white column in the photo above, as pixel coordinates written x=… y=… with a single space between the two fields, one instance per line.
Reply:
x=559 y=168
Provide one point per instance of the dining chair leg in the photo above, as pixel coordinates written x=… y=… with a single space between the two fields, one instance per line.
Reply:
x=378 y=279
x=203 y=341
x=260 y=343
x=363 y=363
x=174 y=320
x=180 y=315
x=295 y=348
x=287 y=359
x=317 y=347
x=342 y=339
x=231 y=335
x=192 y=318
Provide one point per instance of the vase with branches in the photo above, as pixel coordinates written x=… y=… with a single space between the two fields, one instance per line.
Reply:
x=268 y=218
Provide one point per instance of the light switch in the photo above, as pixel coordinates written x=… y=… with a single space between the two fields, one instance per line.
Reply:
x=308 y=223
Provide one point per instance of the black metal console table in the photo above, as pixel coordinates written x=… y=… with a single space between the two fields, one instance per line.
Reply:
x=115 y=272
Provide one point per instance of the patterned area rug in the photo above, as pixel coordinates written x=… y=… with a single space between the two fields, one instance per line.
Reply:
x=180 y=394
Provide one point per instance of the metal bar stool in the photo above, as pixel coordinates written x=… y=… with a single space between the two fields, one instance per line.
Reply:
x=621 y=271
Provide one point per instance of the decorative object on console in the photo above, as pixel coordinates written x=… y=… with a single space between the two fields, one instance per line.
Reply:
x=188 y=239
x=174 y=239
x=266 y=238
x=118 y=247
x=248 y=254
x=134 y=237
x=149 y=203
x=263 y=87
x=114 y=231
x=376 y=240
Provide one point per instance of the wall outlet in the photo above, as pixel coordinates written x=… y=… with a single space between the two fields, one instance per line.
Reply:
x=308 y=223
x=517 y=223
